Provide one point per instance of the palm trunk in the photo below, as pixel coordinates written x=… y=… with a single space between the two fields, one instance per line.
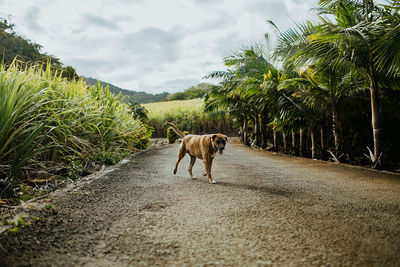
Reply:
x=376 y=119
x=294 y=144
x=263 y=130
x=257 y=132
x=312 y=143
x=241 y=134
x=284 y=142
x=301 y=145
x=245 y=131
x=336 y=129
x=275 y=142
x=323 y=152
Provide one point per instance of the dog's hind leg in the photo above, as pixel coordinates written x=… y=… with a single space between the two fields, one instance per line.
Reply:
x=181 y=154
x=192 y=161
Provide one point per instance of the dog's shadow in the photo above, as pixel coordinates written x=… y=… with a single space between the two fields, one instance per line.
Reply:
x=272 y=190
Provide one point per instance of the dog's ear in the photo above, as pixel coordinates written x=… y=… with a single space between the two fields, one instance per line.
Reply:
x=226 y=138
x=214 y=136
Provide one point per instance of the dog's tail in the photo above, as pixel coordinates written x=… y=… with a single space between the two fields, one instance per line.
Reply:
x=179 y=132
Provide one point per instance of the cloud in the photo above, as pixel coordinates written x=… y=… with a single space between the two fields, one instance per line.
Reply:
x=206 y=2
x=92 y=66
x=100 y=22
x=153 y=45
x=173 y=85
x=267 y=8
x=130 y=2
x=32 y=17
x=219 y=19
x=150 y=45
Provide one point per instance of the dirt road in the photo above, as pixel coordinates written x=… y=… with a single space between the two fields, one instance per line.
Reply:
x=265 y=210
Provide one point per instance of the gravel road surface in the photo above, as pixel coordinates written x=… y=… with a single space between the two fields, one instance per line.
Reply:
x=265 y=209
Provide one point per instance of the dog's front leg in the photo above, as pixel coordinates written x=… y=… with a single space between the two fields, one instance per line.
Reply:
x=208 y=165
x=192 y=161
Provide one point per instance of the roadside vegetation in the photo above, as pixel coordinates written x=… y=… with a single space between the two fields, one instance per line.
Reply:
x=329 y=89
x=52 y=127
x=55 y=127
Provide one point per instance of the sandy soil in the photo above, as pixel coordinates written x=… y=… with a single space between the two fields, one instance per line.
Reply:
x=266 y=209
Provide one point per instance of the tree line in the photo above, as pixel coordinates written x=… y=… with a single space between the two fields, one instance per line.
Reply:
x=192 y=92
x=328 y=90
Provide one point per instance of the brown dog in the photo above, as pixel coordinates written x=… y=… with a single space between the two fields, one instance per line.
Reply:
x=202 y=147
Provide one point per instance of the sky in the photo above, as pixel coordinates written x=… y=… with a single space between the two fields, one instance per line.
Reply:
x=150 y=45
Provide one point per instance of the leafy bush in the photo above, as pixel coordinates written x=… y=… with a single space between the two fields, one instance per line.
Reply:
x=171 y=135
x=46 y=118
x=109 y=158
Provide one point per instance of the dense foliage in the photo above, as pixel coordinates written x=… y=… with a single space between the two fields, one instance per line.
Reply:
x=192 y=92
x=46 y=119
x=335 y=93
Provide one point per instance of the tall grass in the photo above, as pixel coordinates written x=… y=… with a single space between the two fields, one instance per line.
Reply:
x=188 y=115
x=46 y=118
x=175 y=108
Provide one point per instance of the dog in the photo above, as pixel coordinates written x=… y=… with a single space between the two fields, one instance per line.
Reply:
x=203 y=147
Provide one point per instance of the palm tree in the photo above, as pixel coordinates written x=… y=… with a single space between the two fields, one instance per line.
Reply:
x=225 y=96
x=358 y=37
x=272 y=79
x=322 y=88
x=242 y=84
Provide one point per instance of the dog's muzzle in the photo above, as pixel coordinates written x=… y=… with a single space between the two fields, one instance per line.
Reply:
x=221 y=150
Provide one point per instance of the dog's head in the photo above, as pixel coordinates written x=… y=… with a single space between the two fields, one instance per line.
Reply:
x=219 y=142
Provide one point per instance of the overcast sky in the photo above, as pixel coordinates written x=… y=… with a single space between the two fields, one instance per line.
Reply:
x=149 y=45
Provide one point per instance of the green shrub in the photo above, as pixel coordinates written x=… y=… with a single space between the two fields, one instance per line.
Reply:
x=171 y=135
x=44 y=117
x=109 y=158
x=13 y=230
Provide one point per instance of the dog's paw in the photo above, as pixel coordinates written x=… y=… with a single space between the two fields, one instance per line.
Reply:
x=193 y=178
x=204 y=174
x=213 y=181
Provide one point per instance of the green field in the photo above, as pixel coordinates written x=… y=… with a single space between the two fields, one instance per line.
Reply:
x=188 y=115
x=174 y=108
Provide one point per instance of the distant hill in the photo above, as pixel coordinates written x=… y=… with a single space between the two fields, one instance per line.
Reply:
x=137 y=97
